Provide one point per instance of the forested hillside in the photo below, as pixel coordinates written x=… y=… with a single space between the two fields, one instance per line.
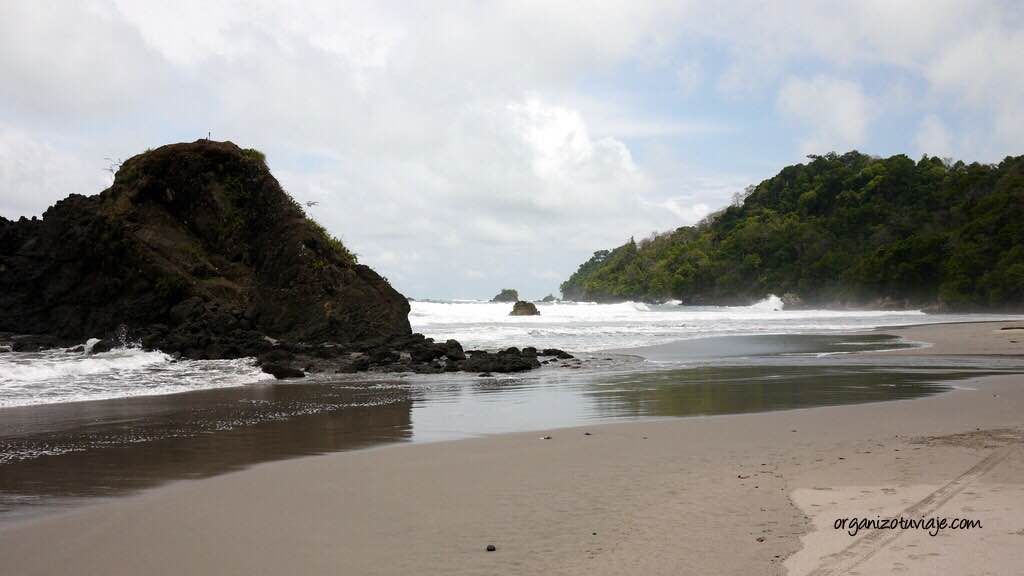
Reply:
x=839 y=230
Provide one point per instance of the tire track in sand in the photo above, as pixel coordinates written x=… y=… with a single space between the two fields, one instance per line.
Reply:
x=876 y=540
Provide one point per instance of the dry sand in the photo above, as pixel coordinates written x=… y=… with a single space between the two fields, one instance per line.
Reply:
x=965 y=338
x=740 y=494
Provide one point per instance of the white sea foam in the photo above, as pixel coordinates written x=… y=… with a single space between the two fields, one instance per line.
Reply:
x=56 y=376
x=588 y=326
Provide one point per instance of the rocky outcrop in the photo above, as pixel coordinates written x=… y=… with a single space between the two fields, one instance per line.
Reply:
x=506 y=295
x=412 y=353
x=522 y=308
x=549 y=298
x=196 y=249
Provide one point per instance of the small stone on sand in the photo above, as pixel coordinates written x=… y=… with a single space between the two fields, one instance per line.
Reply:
x=491 y=547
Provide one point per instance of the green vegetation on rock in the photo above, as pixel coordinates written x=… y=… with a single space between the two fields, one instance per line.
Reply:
x=506 y=295
x=849 y=229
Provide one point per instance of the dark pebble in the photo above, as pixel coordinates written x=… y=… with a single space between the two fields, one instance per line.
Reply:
x=491 y=547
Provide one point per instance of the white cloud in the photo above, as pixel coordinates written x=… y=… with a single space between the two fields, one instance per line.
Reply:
x=834 y=111
x=983 y=70
x=933 y=137
x=470 y=135
x=966 y=53
x=686 y=212
x=34 y=173
x=64 y=60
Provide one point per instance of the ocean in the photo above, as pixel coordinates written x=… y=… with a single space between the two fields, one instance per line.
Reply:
x=59 y=376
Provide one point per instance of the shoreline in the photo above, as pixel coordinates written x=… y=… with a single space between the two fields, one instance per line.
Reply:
x=690 y=495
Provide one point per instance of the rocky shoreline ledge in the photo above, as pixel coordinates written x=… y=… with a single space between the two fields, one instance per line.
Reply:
x=196 y=250
x=397 y=354
x=413 y=353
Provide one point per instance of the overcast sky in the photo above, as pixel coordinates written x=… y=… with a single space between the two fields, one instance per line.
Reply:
x=464 y=147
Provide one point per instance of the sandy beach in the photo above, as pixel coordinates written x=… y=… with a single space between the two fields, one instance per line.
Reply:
x=733 y=494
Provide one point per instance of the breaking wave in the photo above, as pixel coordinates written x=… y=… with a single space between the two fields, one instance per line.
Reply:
x=589 y=326
x=52 y=376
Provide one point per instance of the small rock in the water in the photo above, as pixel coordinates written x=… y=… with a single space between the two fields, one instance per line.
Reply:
x=281 y=371
x=491 y=547
x=586 y=433
x=522 y=308
x=760 y=538
x=545 y=437
x=101 y=346
x=485 y=375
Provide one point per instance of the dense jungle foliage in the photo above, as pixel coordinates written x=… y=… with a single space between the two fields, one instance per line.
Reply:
x=849 y=229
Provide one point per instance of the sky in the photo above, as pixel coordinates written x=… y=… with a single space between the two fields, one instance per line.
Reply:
x=463 y=147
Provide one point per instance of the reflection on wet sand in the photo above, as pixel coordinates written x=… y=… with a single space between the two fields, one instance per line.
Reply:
x=719 y=347
x=66 y=452
x=739 y=389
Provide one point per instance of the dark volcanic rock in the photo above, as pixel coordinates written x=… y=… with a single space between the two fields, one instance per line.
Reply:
x=506 y=295
x=101 y=347
x=200 y=240
x=276 y=356
x=282 y=371
x=501 y=362
x=196 y=250
x=453 y=350
x=524 y=309
x=32 y=343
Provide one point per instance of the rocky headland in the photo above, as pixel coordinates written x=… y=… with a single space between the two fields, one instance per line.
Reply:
x=196 y=250
x=506 y=295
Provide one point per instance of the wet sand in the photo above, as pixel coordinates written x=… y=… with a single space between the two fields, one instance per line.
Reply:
x=63 y=455
x=728 y=494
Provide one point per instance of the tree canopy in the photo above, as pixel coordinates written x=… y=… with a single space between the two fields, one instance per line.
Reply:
x=839 y=229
